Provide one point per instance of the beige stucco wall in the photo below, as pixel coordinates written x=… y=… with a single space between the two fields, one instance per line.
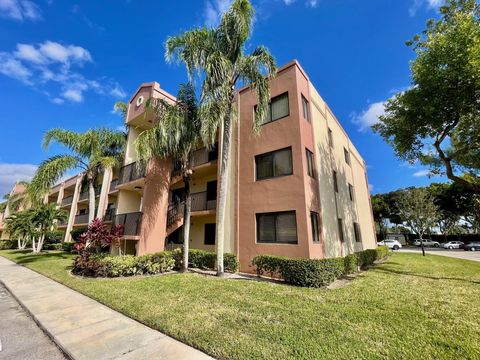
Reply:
x=197 y=232
x=128 y=202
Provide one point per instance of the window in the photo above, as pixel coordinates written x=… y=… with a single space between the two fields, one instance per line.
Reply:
x=330 y=137
x=335 y=182
x=278 y=227
x=273 y=164
x=305 y=109
x=209 y=234
x=310 y=163
x=315 y=231
x=277 y=109
x=340 y=230
x=351 y=192
x=356 y=230
x=347 y=156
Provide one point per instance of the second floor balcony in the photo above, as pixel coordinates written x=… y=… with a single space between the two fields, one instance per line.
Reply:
x=199 y=157
x=67 y=200
x=131 y=223
x=81 y=219
x=131 y=172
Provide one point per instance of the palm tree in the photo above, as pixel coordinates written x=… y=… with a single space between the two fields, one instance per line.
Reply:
x=218 y=55
x=174 y=135
x=91 y=152
x=14 y=202
x=44 y=217
x=21 y=226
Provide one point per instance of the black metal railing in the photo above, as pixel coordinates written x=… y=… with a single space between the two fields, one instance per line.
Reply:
x=131 y=172
x=110 y=214
x=67 y=200
x=131 y=222
x=81 y=219
x=84 y=195
x=200 y=202
x=113 y=185
x=175 y=212
x=199 y=157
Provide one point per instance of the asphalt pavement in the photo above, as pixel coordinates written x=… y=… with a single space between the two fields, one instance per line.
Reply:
x=454 y=253
x=20 y=336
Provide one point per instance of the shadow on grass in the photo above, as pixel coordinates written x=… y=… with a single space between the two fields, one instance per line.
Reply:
x=27 y=257
x=388 y=270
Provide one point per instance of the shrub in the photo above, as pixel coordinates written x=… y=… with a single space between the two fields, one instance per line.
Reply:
x=202 y=259
x=350 y=263
x=127 y=265
x=53 y=246
x=68 y=247
x=271 y=265
x=8 y=244
x=366 y=258
x=52 y=237
x=382 y=252
x=76 y=232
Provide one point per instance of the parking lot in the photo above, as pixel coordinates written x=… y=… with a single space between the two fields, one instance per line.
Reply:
x=455 y=253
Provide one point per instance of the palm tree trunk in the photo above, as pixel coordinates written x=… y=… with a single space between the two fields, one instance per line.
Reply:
x=41 y=239
x=186 y=223
x=33 y=244
x=91 y=201
x=222 y=191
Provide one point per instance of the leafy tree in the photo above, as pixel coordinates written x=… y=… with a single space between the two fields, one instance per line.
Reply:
x=217 y=54
x=419 y=211
x=437 y=119
x=176 y=134
x=44 y=218
x=381 y=212
x=91 y=152
x=20 y=225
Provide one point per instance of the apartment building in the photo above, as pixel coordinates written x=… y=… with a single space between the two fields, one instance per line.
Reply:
x=298 y=189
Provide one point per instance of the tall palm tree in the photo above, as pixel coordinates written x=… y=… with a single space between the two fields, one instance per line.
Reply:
x=218 y=55
x=20 y=225
x=175 y=134
x=44 y=217
x=91 y=152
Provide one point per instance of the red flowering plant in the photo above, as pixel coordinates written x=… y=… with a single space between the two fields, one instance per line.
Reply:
x=98 y=237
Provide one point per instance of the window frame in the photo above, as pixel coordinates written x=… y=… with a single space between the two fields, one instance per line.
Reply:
x=316 y=226
x=357 y=232
x=341 y=231
x=330 y=137
x=335 y=182
x=270 y=108
x=205 y=234
x=351 y=192
x=271 y=153
x=346 y=155
x=310 y=163
x=306 y=108
x=276 y=214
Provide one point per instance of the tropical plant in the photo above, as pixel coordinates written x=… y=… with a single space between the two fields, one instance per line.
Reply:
x=217 y=55
x=98 y=236
x=175 y=134
x=91 y=152
x=437 y=120
x=16 y=201
x=44 y=218
x=20 y=226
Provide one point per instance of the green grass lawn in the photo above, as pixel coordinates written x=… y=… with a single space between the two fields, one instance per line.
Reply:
x=407 y=308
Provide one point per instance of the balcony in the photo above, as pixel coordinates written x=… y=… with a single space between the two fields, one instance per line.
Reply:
x=199 y=157
x=113 y=185
x=110 y=214
x=199 y=203
x=85 y=194
x=131 y=223
x=130 y=173
x=67 y=200
x=81 y=219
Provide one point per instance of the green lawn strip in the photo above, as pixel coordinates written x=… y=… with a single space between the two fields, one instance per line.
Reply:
x=409 y=307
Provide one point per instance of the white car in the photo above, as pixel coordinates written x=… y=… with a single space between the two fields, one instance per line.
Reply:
x=426 y=242
x=453 y=245
x=391 y=244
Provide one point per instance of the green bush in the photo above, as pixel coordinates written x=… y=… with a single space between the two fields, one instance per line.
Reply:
x=8 y=244
x=75 y=233
x=202 y=259
x=127 y=265
x=52 y=237
x=68 y=247
x=53 y=246
x=316 y=272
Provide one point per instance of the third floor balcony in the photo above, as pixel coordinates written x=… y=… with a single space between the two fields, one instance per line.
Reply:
x=199 y=157
x=131 y=172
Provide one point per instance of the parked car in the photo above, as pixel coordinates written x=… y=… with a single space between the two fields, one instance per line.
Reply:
x=391 y=244
x=426 y=242
x=472 y=246
x=453 y=245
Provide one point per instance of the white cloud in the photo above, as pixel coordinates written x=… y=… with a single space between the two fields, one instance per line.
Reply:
x=288 y=2
x=58 y=101
x=214 y=10
x=369 y=116
x=312 y=3
x=421 y=173
x=53 y=63
x=370 y=187
x=430 y=4
x=11 y=172
x=20 y=10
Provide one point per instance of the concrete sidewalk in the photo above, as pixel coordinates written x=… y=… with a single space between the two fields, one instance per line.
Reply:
x=84 y=328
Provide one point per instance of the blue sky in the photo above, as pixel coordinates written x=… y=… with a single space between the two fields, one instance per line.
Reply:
x=65 y=63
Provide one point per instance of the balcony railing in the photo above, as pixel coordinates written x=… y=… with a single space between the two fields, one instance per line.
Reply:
x=81 y=219
x=199 y=157
x=131 y=222
x=110 y=214
x=67 y=200
x=130 y=172
x=175 y=212
x=199 y=203
x=113 y=185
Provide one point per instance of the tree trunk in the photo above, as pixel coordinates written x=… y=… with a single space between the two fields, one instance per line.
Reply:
x=421 y=244
x=186 y=223
x=33 y=244
x=41 y=239
x=91 y=201
x=222 y=191
x=19 y=243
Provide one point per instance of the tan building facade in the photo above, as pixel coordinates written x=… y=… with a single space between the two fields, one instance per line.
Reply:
x=297 y=189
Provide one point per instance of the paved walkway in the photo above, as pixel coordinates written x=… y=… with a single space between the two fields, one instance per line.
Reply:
x=84 y=328
x=455 y=253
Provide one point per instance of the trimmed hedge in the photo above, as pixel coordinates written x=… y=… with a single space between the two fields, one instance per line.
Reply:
x=127 y=265
x=8 y=244
x=60 y=246
x=316 y=272
x=202 y=259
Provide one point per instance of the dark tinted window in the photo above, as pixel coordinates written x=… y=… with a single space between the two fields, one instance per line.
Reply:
x=310 y=163
x=276 y=163
x=209 y=234
x=305 y=110
x=278 y=227
x=278 y=108
x=315 y=230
